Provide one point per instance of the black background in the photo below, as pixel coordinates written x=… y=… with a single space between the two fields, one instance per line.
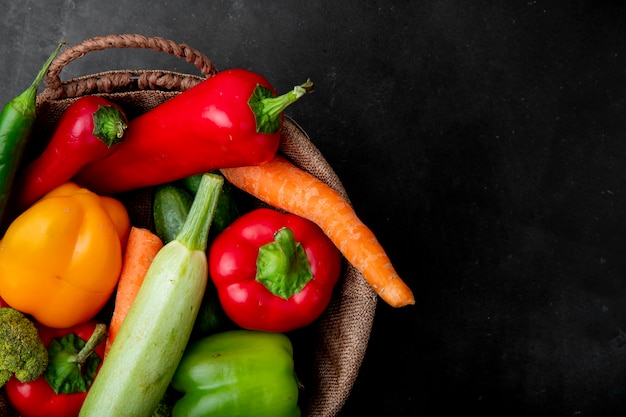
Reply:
x=484 y=142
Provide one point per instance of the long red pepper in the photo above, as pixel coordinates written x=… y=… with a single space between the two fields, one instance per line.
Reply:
x=231 y=119
x=89 y=129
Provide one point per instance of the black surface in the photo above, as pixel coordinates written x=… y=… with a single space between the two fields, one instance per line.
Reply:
x=484 y=142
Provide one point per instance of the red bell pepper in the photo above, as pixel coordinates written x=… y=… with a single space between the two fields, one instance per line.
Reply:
x=88 y=130
x=273 y=271
x=72 y=367
x=230 y=119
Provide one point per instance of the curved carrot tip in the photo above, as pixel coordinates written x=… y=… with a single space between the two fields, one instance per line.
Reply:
x=397 y=294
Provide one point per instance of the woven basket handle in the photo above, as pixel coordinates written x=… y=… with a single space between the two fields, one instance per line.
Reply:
x=107 y=82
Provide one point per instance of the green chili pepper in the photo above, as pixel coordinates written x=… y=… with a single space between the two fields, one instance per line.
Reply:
x=16 y=124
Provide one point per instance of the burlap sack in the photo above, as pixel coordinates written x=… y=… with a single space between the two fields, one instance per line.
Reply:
x=329 y=353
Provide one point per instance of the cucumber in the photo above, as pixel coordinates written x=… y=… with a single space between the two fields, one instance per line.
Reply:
x=172 y=202
x=151 y=341
x=170 y=209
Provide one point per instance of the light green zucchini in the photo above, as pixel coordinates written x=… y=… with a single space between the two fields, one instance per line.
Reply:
x=151 y=341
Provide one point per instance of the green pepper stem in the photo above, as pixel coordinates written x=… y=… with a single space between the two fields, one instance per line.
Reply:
x=24 y=103
x=195 y=231
x=98 y=335
x=109 y=125
x=282 y=265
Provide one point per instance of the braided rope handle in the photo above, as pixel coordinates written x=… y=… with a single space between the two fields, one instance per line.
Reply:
x=107 y=82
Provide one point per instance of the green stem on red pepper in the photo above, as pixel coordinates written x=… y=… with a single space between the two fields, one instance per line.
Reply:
x=90 y=129
x=109 y=125
x=282 y=265
x=99 y=333
x=268 y=108
x=72 y=367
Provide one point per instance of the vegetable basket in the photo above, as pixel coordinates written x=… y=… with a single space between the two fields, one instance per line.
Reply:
x=328 y=353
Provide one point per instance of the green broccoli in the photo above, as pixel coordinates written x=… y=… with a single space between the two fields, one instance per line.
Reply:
x=22 y=353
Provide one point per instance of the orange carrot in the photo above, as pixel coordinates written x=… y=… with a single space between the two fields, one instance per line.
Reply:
x=141 y=248
x=282 y=185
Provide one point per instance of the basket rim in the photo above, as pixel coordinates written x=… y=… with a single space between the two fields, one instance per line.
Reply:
x=55 y=88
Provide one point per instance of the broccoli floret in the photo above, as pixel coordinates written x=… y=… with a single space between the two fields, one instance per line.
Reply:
x=22 y=353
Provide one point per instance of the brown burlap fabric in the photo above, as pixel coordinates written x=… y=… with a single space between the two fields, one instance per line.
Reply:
x=329 y=353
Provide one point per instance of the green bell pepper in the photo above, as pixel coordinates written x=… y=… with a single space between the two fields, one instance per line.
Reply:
x=238 y=373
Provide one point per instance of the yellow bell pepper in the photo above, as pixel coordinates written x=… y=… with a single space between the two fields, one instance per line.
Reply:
x=60 y=260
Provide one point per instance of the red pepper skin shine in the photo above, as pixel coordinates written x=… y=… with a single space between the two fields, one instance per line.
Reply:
x=207 y=127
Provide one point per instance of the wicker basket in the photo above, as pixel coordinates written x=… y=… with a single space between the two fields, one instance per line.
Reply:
x=329 y=353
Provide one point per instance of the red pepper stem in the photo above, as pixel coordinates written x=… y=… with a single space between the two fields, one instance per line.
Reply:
x=268 y=108
x=98 y=335
x=274 y=106
x=282 y=265
x=109 y=125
